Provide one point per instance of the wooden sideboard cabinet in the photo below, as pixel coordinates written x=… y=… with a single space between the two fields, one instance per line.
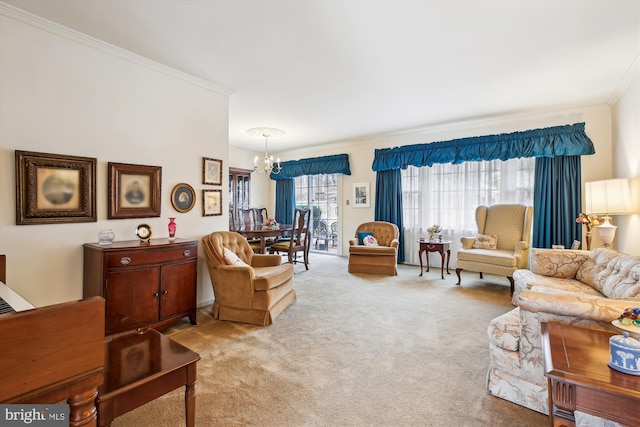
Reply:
x=143 y=284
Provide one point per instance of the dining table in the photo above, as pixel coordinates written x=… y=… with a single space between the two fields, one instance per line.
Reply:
x=262 y=232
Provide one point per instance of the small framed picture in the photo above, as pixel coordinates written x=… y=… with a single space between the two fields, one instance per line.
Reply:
x=575 y=245
x=211 y=171
x=134 y=191
x=183 y=197
x=361 y=195
x=211 y=202
x=52 y=188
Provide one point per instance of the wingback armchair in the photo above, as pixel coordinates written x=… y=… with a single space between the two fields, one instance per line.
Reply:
x=379 y=259
x=247 y=287
x=502 y=245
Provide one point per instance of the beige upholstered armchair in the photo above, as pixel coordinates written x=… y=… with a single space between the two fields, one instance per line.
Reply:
x=382 y=258
x=247 y=287
x=502 y=245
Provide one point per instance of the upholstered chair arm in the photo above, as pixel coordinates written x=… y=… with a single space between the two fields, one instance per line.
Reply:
x=353 y=242
x=587 y=307
x=520 y=246
x=467 y=242
x=246 y=272
x=265 y=260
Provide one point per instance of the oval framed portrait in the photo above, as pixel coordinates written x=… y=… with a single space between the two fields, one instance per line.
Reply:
x=183 y=197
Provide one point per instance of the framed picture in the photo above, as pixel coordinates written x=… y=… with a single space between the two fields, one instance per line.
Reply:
x=211 y=202
x=575 y=245
x=361 y=195
x=183 y=197
x=134 y=191
x=52 y=188
x=211 y=171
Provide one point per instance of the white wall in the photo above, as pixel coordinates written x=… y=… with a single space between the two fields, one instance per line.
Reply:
x=260 y=196
x=361 y=152
x=626 y=163
x=66 y=94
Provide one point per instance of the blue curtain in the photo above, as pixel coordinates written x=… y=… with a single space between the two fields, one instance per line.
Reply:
x=568 y=140
x=557 y=201
x=338 y=163
x=285 y=201
x=388 y=205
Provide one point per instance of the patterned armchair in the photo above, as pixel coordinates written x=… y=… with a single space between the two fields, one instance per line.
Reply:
x=502 y=245
x=382 y=258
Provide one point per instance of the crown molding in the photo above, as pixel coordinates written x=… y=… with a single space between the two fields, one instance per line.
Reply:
x=634 y=69
x=86 y=40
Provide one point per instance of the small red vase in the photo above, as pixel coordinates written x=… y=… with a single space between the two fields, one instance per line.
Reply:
x=172 y=228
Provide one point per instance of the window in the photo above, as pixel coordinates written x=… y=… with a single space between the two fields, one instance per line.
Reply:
x=448 y=195
x=321 y=192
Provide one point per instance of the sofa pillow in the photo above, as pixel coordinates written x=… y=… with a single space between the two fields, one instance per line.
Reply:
x=484 y=241
x=231 y=258
x=563 y=264
x=370 y=241
x=362 y=235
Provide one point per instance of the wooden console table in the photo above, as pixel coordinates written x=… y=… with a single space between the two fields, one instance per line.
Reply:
x=441 y=247
x=150 y=284
x=575 y=363
x=140 y=367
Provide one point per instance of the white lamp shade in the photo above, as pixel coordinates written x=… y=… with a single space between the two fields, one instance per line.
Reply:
x=609 y=197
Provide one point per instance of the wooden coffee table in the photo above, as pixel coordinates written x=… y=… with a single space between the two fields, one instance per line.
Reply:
x=575 y=363
x=141 y=366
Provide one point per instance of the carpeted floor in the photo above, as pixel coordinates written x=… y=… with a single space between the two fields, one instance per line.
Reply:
x=353 y=350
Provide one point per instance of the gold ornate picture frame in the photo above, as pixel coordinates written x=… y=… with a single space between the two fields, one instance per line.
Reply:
x=211 y=171
x=54 y=188
x=134 y=191
x=211 y=202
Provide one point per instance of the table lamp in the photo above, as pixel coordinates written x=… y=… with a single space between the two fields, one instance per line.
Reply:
x=608 y=197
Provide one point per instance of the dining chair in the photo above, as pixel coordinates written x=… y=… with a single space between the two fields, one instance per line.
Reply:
x=248 y=221
x=232 y=220
x=299 y=240
x=260 y=215
x=247 y=217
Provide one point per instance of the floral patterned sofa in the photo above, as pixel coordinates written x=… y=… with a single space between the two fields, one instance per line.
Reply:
x=586 y=289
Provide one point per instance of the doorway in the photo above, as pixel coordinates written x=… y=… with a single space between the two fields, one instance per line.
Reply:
x=321 y=193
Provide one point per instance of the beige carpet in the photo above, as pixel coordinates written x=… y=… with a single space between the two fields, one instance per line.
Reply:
x=353 y=350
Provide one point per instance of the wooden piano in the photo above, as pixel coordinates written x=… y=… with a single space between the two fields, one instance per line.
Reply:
x=52 y=354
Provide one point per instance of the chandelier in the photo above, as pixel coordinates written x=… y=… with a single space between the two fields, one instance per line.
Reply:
x=269 y=166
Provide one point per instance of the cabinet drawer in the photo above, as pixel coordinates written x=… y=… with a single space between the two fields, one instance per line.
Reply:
x=137 y=258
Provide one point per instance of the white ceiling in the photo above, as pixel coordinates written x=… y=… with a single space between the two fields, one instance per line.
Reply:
x=329 y=71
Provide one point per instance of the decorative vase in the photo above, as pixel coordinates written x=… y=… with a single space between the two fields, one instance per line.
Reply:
x=589 y=240
x=106 y=236
x=172 y=228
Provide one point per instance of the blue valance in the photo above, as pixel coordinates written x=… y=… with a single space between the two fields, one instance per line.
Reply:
x=567 y=140
x=338 y=163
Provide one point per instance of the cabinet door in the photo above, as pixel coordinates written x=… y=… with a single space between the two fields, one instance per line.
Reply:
x=133 y=293
x=178 y=290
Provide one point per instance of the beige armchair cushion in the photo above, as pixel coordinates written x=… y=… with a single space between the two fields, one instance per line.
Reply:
x=253 y=293
x=381 y=259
